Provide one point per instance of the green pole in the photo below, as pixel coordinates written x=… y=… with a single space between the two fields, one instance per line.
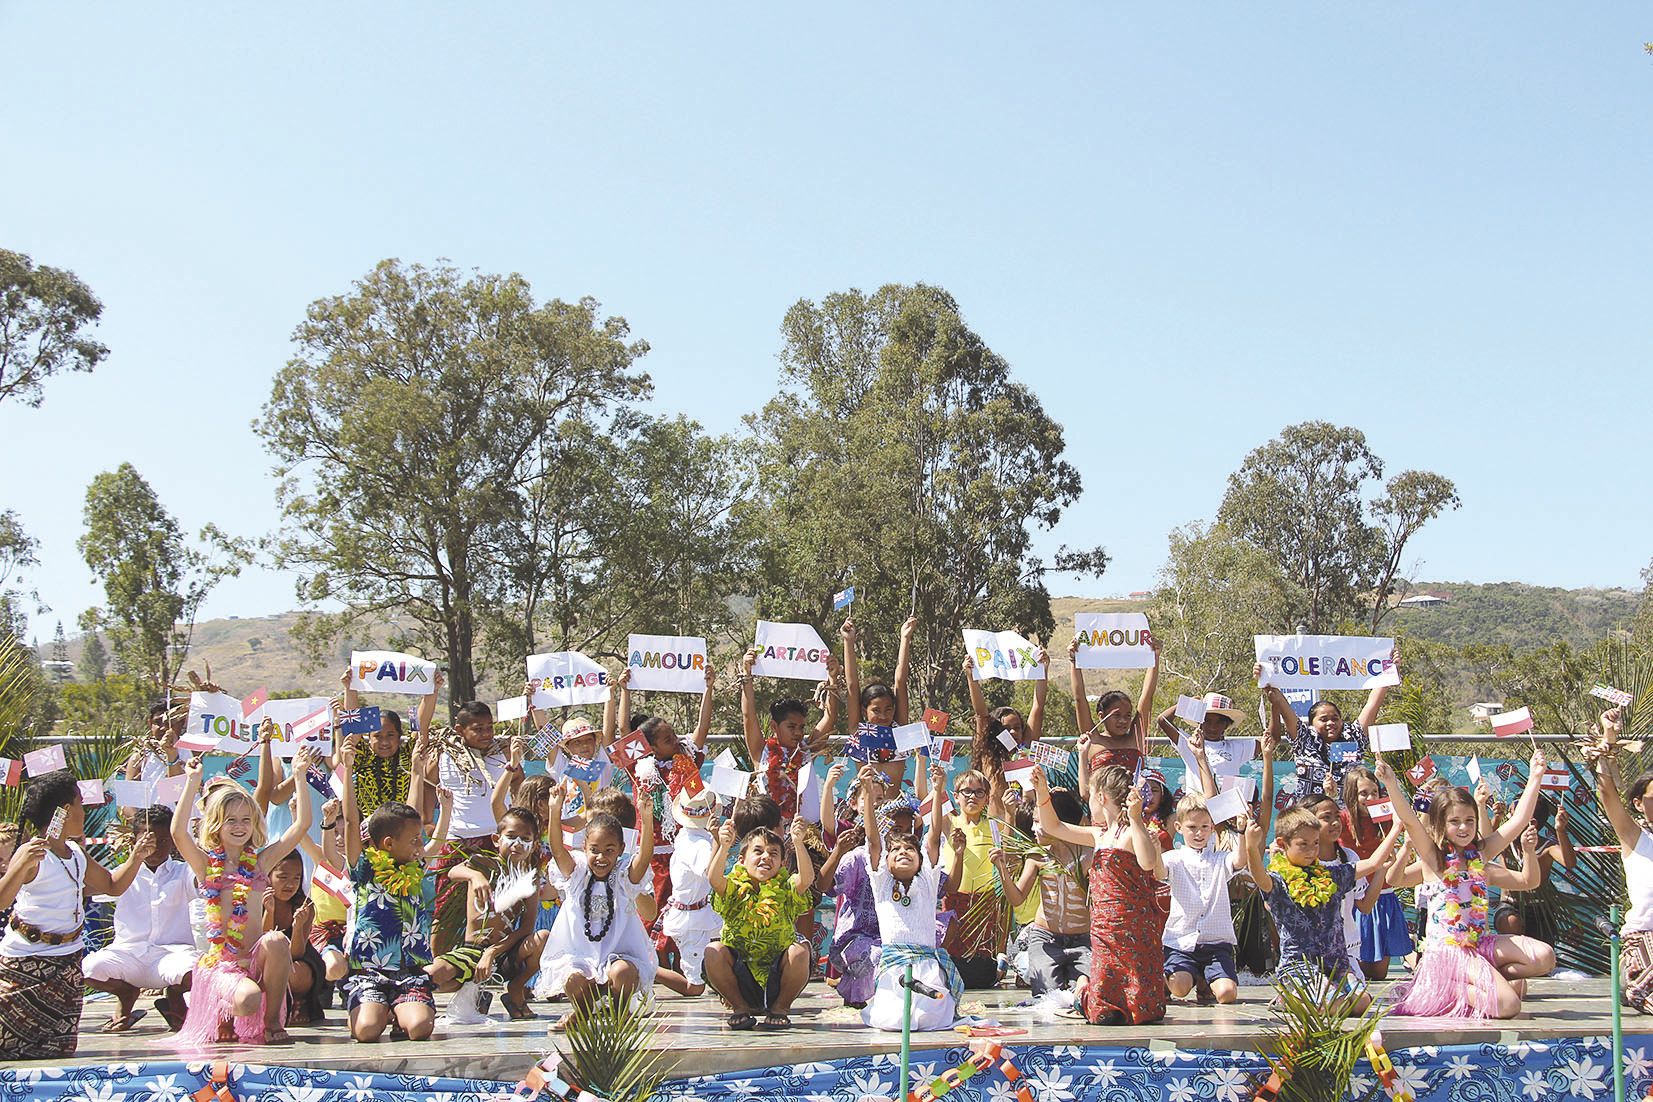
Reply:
x=907 y=1031
x=1618 y=1010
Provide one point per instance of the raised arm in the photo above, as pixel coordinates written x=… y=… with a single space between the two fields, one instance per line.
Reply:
x=938 y=797
x=1374 y=699
x=559 y=851
x=269 y=773
x=800 y=853
x=303 y=814
x=1208 y=780
x=1380 y=858
x=1045 y=816
x=1145 y=702
x=439 y=837
x=351 y=699
x=352 y=811
x=1624 y=824
x=1532 y=867
x=624 y=717
x=645 y=834
x=182 y=840
x=1269 y=748
x=978 y=701
x=830 y=707
x=1506 y=835
x=749 y=709
x=1143 y=842
x=852 y=675
x=869 y=819
x=426 y=712
x=1562 y=853
x=1041 y=688
x=829 y=798
x=1076 y=685
x=703 y=726
x=100 y=881
x=1423 y=843
x=1254 y=856
x=903 y=659
x=720 y=857
x=501 y=798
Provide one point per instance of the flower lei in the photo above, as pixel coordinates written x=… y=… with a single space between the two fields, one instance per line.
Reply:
x=404 y=878
x=1308 y=887
x=231 y=935
x=1464 y=926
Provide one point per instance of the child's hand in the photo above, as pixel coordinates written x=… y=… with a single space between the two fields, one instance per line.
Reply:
x=908 y=627
x=331 y=810
x=1529 y=839
x=1329 y=784
x=558 y=795
x=344 y=679
x=441 y=680
x=1257 y=674
x=726 y=834
x=1041 y=657
x=348 y=751
x=1271 y=740
x=513 y=752
x=711 y=675
x=849 y=839
x=485 y=966
x=528 y=690
x=1133 y=805
x=1041 y=784
x=799 y=831
x=1385 y=772
x=1483 y=794
x=444 y=800
x=1560 y=817
x=1082 y=745
x=1537 y=763
x=144 y=846
x=192 y=770
x=1253 y=832
x=625 y=678
x=1153 y=643
x=847 y=630
x=835 y=774
x=269 y=900
x=1612 y=725
x=747 y=660
x=29 y=856
x=938 y=778
x=956 y=839
x=267 y=730
x=305 y=912
x=1073 y=648
x=1196 y=741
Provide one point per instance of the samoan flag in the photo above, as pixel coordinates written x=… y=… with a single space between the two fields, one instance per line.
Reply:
x=359 y=721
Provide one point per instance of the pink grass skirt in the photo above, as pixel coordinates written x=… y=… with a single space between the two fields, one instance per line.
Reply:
x=1452 y=983
x=211 y=997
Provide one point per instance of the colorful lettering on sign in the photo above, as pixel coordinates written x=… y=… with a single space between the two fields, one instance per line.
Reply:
x=1018 y=657
x=1118 y=637
x=783 y=653
x=1315 y=666
x=389 y=671
x=574 y=681
x=669 y=660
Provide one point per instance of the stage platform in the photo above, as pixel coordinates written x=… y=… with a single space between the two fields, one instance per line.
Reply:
x=695 y=1042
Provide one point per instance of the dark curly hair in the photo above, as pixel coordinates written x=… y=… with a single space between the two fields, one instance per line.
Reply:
x=43 y=796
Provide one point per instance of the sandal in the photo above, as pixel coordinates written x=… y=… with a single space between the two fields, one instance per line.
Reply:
x=518 y=1011
x=774 y=1020
x=120 y=1023
x=173 y=1015
x=560 y=1025
x=277 y=1036
x=742 y=1021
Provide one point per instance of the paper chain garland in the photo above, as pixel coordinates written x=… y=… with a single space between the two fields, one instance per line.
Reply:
x=542 y=1078
x=217 y=1086
x=1376 y=1055
x=984 y=1055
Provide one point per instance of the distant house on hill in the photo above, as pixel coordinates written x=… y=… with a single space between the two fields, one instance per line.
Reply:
x=1141 y=594
x=1424 y=600
x=1485 y=710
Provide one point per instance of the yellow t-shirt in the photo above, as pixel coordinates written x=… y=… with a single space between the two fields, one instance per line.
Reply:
x=977 y=872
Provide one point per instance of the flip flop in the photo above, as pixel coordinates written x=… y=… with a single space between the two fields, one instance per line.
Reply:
x=777 y=1021
x=120 y=1023
x=560 y=1025
x=277 y=1036
x=742 y=1021
x=174 y=1016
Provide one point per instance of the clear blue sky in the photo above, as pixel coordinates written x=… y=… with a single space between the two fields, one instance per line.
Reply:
x=1184 y=225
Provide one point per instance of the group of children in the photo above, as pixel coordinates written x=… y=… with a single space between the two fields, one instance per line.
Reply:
x=441 y=863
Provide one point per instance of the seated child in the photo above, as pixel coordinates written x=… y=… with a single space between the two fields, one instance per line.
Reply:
x=905 y=887
x=154 y=947
x=500 y=908
x=1305 y=898
x=389 y=944
x=599 y=944
x=758 y=964
x=1059 y=935
x=288 y=911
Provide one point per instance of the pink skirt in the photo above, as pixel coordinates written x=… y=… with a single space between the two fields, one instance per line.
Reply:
x=1451 y=982
x=211 y=997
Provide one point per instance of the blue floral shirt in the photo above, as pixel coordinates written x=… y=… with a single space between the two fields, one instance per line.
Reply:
x=391 y=932
x=1312 y=935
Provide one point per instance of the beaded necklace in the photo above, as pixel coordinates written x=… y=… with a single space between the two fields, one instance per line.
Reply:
x=607 y=908
x=233 y=934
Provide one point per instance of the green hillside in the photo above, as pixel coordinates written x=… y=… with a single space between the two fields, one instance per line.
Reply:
x=1521 y=616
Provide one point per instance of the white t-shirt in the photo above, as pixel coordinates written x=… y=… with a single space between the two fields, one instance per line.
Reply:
x=910 y=920
x=473 y=794
x=1200 y=913
x=51 y=901
x=1638 y=883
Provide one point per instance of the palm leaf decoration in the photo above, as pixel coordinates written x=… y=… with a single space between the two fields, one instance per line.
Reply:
x=613 y=1050
x=1317 y=1038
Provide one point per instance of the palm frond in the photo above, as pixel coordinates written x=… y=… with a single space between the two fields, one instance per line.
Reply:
x=612 y=1050
x=1317 y=1038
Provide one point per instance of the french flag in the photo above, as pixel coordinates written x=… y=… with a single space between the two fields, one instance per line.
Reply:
x=1505 y=724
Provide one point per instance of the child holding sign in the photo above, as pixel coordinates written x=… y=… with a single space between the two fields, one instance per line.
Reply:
x=1120 y=734
x=46 y=885
x=1312 y=741
x=881 y=705
x=1466 y=969
x=782 y=756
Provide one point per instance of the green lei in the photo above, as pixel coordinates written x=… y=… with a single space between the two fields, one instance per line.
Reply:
x=1308 y=887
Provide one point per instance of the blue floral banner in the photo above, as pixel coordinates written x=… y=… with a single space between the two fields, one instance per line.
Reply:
x=1524 y=1071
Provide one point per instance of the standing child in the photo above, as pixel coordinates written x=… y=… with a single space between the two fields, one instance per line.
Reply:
x=905 y=887
x=1467 y=970
x=1382 y=930
x=46 y=885
x=689 y=919
x=1636 y=851
x=878 y=704
x=239 y=991
x=1127 y=982
x=781 y=758
x=154 y=947
x=598 y=945
x=759 y=964
x=469 y=768
x=1199 y=933
x=1305 y=898
x=389 y=944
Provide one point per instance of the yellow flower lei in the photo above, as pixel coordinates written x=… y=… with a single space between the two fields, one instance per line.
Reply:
x=405 y=878
x=1308 y=887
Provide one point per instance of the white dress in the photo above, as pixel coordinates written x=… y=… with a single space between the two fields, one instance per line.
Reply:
x=569 y=950
x=689 y=919
x=911 y=924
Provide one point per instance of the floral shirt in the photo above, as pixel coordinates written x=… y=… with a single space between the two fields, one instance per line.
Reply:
x=1314 y=757
x=1312 y=934
x=758 y=919
x=391 y=932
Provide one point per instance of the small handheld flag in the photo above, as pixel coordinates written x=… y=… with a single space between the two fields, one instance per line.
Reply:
x=45 y=760
x=1381 y=811
x=1505 y=724
x=254 y=702
x=1421 y=772
x=843 y=599
x=1558 y=780
x=359 y=721
x=1613 y=696
x=11 y=772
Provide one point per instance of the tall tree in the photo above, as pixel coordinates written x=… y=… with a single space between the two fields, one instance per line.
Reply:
x=407 y=427
x=18 y=552
x=43 y=313
x=94 y=659
x=902 y=458
x=153 y=580
x=1410 y=500
x=1215 y=593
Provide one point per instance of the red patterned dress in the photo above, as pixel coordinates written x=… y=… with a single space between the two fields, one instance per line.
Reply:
x=1127 y=959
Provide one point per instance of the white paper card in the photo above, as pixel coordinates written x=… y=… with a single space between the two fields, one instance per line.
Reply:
x=1112 y=641
x=1226 y=805
x=789 y=650
x=1473 y=768
x=1002 y=654
x=139 y=794
x=1191 y=708
x=912 y=737
x=728 y=782
x=1390 y=738
x=512 y=707
x=389 y=671
x=667 y=663
x=566 y=678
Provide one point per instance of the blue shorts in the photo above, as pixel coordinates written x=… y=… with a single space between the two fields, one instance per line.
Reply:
x=1214 y=961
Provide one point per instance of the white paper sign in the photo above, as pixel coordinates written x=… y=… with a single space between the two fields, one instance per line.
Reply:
x=1226 y=805
x=728 y=782
x=1004 y=655
x=214 y=717
x=127 y=793
x=512 y=707
x=389 y=671
x=1473 y=768
x=667 y=663
x=566 y=678
x=1191 y=708
x=287 y=716
x=789 y=650
x=1326 y=661
x=1112 y=641
x=1390 y=738
x=910 y=738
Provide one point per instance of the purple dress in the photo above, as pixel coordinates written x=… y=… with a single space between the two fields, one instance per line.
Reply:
x=855 y=933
